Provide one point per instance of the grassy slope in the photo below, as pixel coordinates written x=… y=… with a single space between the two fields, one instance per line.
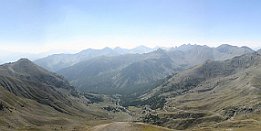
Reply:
x=225 y=95
x=20 y=113
x=25 y=114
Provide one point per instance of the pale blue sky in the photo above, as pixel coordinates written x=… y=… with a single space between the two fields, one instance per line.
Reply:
x=43 y=25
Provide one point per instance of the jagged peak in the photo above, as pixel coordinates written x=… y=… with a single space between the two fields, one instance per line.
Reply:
x=186 y=47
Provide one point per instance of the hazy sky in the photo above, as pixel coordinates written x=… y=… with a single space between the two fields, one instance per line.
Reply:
x=43 y=25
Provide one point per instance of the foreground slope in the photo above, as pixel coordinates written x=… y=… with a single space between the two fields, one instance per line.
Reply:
x=25 y=79
x=215 y=95
x=31 y=98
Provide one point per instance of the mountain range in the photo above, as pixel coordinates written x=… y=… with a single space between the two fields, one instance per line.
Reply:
x=59 y=61
x=132 y=73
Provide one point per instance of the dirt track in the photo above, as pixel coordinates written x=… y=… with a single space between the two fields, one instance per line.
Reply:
x=127 y=126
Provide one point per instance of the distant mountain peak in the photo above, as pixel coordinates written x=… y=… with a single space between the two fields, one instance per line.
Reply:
x=142 y=46
x=116 y=48
x=106 y=48
x=226 y=46
x=230 y=48
x=140 y=49
x=245 y=47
